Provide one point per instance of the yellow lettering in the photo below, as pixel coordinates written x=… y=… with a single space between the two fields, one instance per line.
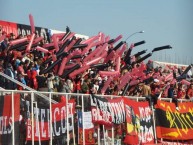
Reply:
x=173 y=134
x=185 y=122
x=163 y=104
x=170 y=116
x=187 y=116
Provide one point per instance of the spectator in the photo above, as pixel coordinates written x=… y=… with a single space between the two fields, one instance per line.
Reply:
x=20 y=69
x=181 y=92
x=145 y=90
x=85 y=87
x=22 y=80
x=95 y=87
x=149 y=65
x=9 y=84
x=50 y=83
x=65 y=88
x=172 y=94
x=190 y=92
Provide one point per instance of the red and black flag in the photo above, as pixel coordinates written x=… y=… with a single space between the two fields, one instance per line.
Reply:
x=59 y=122
x=139 y=122
x=107 y=111
x=174 y=124
x=6 y=121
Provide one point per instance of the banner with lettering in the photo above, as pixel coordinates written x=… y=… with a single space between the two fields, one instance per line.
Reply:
x=8 y=27
x=24 y=30
x=6 y=120
x=59 y=121
x=107 y=111
x=188 y=142
x=85 y=120
x=139 y=122
x=173 y=124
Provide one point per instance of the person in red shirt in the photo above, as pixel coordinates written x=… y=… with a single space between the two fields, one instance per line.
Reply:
x=181 y=92
x=190 y=92
x=20 y=69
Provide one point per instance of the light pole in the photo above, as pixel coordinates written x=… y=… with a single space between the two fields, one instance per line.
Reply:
x=134 y=34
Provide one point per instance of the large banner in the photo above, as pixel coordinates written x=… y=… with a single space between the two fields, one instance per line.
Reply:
x=189 y=142
x=6 y=121
x=139 y=122
x=172 y=124
x=8 y=27
x=24 y=30
x=107 y=111
x=60 y=122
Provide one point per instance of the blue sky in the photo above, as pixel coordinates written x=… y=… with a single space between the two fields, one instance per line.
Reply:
x=165 y=22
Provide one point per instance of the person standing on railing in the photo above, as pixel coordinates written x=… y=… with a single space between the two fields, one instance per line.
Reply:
x=172 y=95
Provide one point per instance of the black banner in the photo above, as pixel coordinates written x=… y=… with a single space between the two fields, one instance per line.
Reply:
x=25 y=30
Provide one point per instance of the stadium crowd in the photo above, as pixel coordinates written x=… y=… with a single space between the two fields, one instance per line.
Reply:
x=25 y=67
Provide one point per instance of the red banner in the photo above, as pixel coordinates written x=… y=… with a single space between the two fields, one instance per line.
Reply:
x=189 y=142
x=139 y=122
x=59 y=121
x=107 y=111
x=173 y=124
x=6 y=121
x=9 y=27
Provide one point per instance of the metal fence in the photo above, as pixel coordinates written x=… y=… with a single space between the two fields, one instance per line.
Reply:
x=81 y=99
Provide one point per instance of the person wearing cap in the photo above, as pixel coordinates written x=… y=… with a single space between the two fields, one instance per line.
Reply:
x=155 y=90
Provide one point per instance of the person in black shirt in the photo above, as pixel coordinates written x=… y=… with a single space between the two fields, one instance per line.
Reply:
x=171 y=94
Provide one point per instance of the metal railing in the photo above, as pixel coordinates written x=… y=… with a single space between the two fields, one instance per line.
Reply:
x=27 y=88
x=68 y=96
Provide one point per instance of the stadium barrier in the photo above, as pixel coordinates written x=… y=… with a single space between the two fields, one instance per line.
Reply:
x=33 y=102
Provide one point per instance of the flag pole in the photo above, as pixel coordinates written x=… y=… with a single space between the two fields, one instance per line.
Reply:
x=83 y=120
x=112 y=132
x=98 y=134
x=32 y=116
x=50 y=103
x=104 y=135
x=13 y=118
x=73 y=129
x=67 y=121
x=36 y=112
